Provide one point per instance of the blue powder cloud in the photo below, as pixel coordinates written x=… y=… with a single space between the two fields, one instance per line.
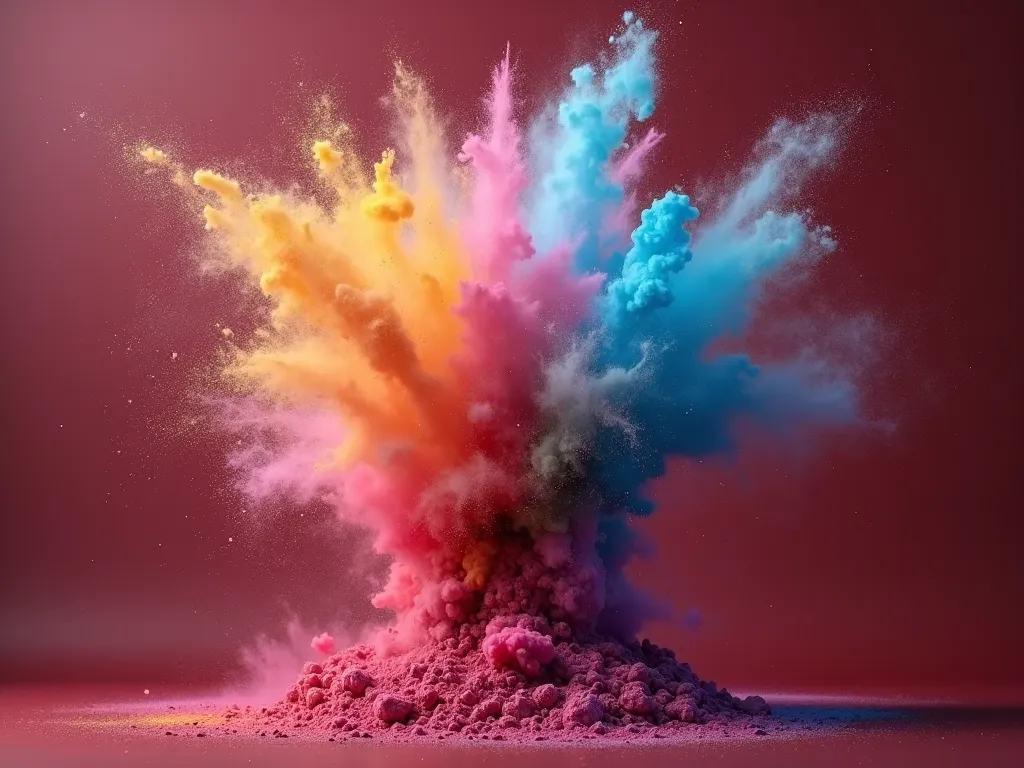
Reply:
x=575 y=141
x=681 y=286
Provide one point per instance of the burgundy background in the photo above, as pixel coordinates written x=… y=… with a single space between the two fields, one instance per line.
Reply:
x=883 y=562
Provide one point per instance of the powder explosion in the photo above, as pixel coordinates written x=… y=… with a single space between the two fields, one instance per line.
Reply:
x=483 y=363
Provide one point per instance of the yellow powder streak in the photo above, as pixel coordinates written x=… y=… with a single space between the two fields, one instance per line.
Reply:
x=362 y=295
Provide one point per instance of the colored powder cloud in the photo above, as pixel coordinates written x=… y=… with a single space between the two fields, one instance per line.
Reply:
x=490 y=393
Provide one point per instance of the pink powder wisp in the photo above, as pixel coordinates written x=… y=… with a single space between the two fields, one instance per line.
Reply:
x=323 y=643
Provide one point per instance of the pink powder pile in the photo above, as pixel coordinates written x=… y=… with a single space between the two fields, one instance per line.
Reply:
x=524 y=681
x=527 y=656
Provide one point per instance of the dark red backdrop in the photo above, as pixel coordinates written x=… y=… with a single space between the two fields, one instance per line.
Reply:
x=881 y=563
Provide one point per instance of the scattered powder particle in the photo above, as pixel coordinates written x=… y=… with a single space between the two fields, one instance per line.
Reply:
x=154 y=156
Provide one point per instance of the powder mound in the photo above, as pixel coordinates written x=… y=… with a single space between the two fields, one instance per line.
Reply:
x=504 y=680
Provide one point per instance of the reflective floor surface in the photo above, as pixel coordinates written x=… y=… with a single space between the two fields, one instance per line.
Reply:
x=92 y=727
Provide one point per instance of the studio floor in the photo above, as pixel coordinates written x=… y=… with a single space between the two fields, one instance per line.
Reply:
x=93 y=727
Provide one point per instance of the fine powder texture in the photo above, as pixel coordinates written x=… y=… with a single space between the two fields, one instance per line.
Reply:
x=525 y=680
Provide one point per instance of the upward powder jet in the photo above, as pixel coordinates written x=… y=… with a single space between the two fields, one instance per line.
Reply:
x=483 y=363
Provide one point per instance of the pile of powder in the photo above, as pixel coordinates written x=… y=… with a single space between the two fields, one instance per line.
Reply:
x=525 y=681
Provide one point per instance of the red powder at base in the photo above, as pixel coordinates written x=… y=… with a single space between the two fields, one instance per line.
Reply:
x=593 y=686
